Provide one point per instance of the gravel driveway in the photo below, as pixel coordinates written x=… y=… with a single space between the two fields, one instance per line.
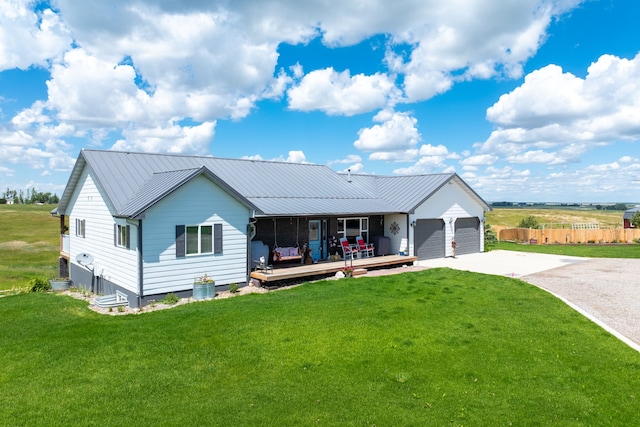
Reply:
x=605 y=290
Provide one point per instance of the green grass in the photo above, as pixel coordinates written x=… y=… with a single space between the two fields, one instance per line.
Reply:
x=30 y=244
x=438 y=347
x=511 y=217
x=589 y=251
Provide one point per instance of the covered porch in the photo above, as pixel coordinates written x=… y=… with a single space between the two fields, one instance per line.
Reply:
x=271 y=276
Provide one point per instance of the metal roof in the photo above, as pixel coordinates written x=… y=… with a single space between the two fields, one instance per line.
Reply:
x=133 y=182
x=628 y=214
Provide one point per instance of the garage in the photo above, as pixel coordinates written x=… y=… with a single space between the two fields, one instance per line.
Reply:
x=429 y=239
x=467 y=236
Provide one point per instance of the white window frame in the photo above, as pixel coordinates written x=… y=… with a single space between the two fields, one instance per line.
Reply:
x=200 y=251
x=121 y=236
x=363 y=227
x=80 y=227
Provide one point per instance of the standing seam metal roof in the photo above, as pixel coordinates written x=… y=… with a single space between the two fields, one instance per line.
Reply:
x=135 y=181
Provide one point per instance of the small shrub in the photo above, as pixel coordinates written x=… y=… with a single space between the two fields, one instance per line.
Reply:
x=120 y=309
x=490 y=237
x=233 y=288
x=529 y=222
x=171 y=299
x=39 y=284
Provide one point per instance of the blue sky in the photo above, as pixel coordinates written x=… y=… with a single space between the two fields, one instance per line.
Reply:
x=528 y=100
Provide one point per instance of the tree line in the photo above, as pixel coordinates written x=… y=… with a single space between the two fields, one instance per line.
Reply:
x=31 y=196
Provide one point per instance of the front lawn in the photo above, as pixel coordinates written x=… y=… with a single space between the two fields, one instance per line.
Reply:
x=438 y=347
x=583 y=250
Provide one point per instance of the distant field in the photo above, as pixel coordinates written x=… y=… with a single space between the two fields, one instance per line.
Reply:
x=510 y=217
x=29 y=245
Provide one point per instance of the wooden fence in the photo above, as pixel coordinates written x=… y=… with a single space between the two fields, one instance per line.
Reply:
x=602 y=235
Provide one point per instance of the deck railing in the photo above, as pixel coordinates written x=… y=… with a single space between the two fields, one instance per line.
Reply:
x=64 y=243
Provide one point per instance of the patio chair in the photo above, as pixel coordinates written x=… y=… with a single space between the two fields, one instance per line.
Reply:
x=366 y=248
x=347 y=249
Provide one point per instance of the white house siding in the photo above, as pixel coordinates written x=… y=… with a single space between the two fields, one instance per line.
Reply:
x=395 y=239
x=199 y=202
x=114 y=264
x=449 y=203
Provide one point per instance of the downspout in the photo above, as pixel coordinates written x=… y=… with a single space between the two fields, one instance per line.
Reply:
x=409 y=237
x=140 y=265
x=250 y=236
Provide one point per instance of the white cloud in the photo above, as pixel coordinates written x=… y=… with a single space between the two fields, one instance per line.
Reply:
x=430 y=150
x=339 y=93
x=395 y=156
x=431 y=159
x=537 y=156
x=29 y=38
x=160 y=74
x=296 y=156
x=557 y=110
x=459 y=40
x=351 y=158
x=354 y=168
x=396 y=132
x=605 y=167
x=479 y=160
x=171 y=138
x=628 y=159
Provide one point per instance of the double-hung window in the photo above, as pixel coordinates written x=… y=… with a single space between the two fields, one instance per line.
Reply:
x=198 y=239
x=80 y=227
x=121 y=236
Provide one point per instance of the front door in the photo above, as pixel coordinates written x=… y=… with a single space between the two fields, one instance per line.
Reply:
x=315 y=239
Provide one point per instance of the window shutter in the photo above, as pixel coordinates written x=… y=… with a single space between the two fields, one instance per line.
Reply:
x=180 y=241
x=128 y=244
x=115 y=234
x=217 y=238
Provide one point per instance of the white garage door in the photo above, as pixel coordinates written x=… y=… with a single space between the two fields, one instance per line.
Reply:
x=429 y=238
x=467 y=236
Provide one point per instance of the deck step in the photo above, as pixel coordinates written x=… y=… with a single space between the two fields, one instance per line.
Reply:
x=359 y=272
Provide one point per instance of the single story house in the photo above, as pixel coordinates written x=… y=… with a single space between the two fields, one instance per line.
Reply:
x=628 y=214
x=146 y=225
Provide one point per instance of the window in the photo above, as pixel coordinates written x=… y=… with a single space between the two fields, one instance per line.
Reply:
x=121 y=236
x=80 y=227
x=352 y=227
x=198 y=239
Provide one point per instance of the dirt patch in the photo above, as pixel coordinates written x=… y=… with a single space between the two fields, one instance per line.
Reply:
x=14 y=245
x=19 y=245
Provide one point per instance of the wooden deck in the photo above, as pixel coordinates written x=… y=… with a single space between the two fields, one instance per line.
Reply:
x=328 y=268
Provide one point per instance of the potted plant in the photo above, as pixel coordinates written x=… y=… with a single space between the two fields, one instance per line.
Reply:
x=203 y=287
x=60 y=283
x=347 y=271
